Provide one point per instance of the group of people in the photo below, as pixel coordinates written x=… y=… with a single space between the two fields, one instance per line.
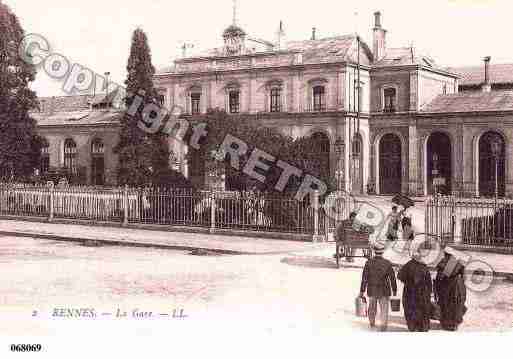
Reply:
x=394 y=219
x=448 y=290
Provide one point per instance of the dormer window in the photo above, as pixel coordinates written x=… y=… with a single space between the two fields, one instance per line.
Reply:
x=389 y=99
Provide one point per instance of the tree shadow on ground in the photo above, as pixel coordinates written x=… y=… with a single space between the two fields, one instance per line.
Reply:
x=310 y=261
x=318 y=262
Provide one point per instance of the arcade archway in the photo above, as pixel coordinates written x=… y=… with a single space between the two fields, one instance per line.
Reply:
x=439 y=163
x=390 y=164
x=492 y=150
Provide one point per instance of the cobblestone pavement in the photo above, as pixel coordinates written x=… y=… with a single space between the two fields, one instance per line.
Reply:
x=283 y=293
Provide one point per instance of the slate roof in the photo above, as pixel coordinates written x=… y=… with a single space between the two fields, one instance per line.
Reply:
x=471 y=101
x=74 y=110
x=324 y=50
x=401 y=56
x=474 y=75
x=331 y=49
x=68 y=103
x=79 y=118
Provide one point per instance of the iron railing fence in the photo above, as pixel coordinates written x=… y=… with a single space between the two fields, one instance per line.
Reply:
x=105 y=205
x=182 y=207
x=24 y=200
x=473 y=221
x=251 y=211
x=261 y=212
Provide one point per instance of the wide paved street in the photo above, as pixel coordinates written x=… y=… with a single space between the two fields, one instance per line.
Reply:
x=275 y=293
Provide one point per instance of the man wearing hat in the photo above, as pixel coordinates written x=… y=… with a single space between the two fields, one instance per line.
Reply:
x=378 y=279
x=450 y=290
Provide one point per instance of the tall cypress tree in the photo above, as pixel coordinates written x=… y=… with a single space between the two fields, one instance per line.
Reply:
x=143 y=157
x=19 y=143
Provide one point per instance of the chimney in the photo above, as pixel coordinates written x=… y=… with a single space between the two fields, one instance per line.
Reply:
x=487 y=87
x=378 y=38
x=314 y=30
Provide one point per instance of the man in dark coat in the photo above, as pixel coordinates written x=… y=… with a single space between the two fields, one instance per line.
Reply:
x=340 y=235
x=378 y=279
x=416 y=294
x=450 y=292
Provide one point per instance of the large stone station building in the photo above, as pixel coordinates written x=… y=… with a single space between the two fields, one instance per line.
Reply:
x=388 y=119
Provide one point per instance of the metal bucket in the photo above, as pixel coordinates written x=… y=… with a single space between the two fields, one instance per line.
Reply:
x=361 y=306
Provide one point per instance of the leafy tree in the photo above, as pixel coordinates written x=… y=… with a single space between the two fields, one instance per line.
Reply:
x=19 y=143
x=143 y=156
x=301 y=152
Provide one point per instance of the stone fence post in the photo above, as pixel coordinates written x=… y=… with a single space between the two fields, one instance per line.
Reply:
x=212 y=211
x=316 y=216
x=125 y=206
x=51 y=205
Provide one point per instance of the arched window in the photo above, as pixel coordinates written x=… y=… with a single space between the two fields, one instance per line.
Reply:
x=389 y=99
x=97 y=148
x=195 y=103
x=194 y=100
x=45 y=156
x=70 y=155
x=319 y=100
x=234 y=101
x=275 y=99
x=97 y=162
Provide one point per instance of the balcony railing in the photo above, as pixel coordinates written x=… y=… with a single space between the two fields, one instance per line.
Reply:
x=316 y=108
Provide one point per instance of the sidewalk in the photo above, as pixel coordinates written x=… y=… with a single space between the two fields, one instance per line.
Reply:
x=501 y=264
x=154 y=238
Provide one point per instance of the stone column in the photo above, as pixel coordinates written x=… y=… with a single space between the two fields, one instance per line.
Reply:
x=250 y=93
x=413 y=157
x=340 y=172
x=298 y=98
x=289 y=84
x=209 y=92
x=414 y=91
x=508 y=152
x=169 y=97
x=372 y=163
x=457 y=185
x=174 y=96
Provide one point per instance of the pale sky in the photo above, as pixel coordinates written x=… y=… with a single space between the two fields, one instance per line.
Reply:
x=96 y=33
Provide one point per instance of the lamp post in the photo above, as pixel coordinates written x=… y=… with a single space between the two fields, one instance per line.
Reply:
x=339 y=173
x=107 y=74
x=496 y=148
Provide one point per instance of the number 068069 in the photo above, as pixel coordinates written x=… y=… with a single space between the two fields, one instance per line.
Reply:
x=26 y=347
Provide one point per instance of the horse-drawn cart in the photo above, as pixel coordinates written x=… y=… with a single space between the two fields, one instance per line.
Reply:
x=349 y=240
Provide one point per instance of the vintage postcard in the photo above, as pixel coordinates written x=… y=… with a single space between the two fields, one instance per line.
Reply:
x=237 y=175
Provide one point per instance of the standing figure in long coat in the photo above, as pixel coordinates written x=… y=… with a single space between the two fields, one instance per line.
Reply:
x=416 y=294
x=450 y=292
